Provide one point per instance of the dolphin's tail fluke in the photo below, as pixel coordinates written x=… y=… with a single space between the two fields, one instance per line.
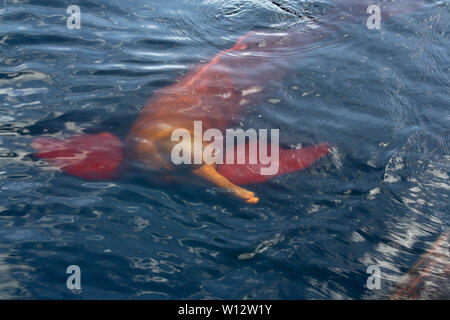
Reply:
x=87 y=156
x=289 y=161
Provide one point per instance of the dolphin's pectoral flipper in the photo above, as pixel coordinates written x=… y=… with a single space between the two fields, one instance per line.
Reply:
x=290 y=160
x=209 y=173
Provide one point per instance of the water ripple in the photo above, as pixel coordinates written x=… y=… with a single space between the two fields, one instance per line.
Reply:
x=381 y=197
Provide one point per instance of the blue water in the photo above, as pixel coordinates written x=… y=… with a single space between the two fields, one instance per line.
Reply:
x=380 y=97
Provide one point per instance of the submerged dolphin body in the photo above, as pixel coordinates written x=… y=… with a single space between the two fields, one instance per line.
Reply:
x=98 y=157
x=217 y=94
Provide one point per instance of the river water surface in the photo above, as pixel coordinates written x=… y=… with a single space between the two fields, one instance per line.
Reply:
x=380 y=97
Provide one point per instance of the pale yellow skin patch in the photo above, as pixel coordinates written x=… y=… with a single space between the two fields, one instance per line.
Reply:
x=153 y=146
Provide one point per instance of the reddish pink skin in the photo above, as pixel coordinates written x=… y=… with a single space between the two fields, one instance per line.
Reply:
x=191 y=97
x=98 y=156
x=290 y=161
x=88 y=156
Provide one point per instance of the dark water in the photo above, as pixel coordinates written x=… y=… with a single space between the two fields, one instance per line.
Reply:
x=380 y=97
